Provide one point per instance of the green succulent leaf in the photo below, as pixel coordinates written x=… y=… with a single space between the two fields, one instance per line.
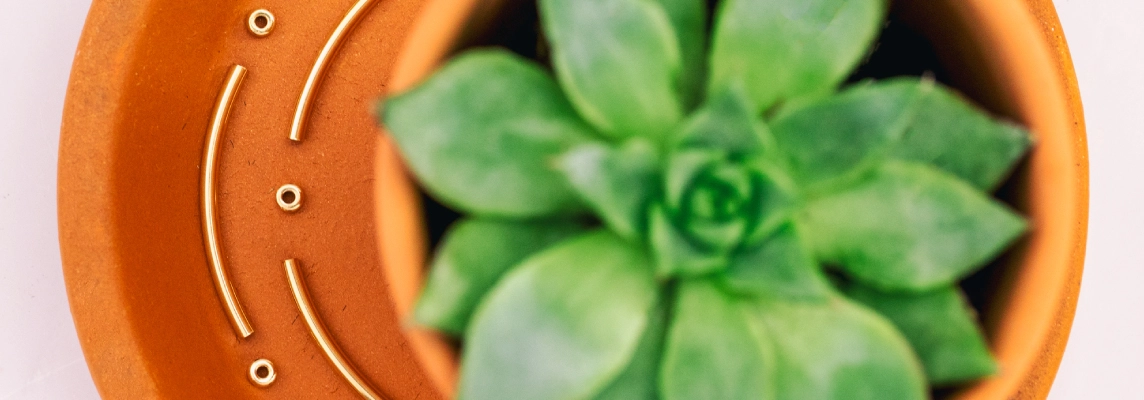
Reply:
x=839 y=350
x=640 y=380
x=782 y=49
x=712 y=352
x=726 y=122
x=617 y=183
x=774 y=202
x=909 y=227
x=689 y=18
x=941 y=326
x=846 y=133
x=472 y=257
x=489 y=157
x=954 y=135
x=719 y=236
x=781 y=267
x=675 y=253
x=682 y=169
x=583 y=303
x=619 y=62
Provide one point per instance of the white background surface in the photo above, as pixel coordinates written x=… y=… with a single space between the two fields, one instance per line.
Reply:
x=40 y=356
x=1105 y=355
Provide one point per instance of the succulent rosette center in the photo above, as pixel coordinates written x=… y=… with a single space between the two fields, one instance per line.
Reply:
x=716 y=207
x=712 y=205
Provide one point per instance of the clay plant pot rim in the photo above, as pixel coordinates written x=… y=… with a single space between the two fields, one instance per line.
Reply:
x=1032 y=59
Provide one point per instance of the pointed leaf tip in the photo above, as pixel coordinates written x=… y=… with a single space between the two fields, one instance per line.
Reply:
x=619 y=62
x=909 y=227
x=489 y=157
x=584 y=302
x=783 y=49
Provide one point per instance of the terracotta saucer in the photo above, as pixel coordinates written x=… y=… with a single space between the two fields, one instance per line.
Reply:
x=140 y=112
x=146 y=78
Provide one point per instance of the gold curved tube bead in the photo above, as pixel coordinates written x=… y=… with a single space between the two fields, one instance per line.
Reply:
x=322 y=336
x=208 y=202
x=302 y=112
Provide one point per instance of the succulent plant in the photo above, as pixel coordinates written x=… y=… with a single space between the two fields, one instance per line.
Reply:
x=680 y=211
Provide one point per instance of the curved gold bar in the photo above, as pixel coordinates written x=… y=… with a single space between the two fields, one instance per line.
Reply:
x=322 y=336
x=208 y=202
x=302 y=112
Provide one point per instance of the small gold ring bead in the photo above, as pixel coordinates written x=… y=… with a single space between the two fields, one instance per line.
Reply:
x=262 y=372
x=289 y=197
x=261 y=22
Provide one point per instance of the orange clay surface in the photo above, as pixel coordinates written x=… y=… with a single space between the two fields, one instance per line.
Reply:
x=145 y=78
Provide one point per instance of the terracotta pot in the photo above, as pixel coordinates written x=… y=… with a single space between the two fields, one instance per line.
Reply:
x=1008 y=55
